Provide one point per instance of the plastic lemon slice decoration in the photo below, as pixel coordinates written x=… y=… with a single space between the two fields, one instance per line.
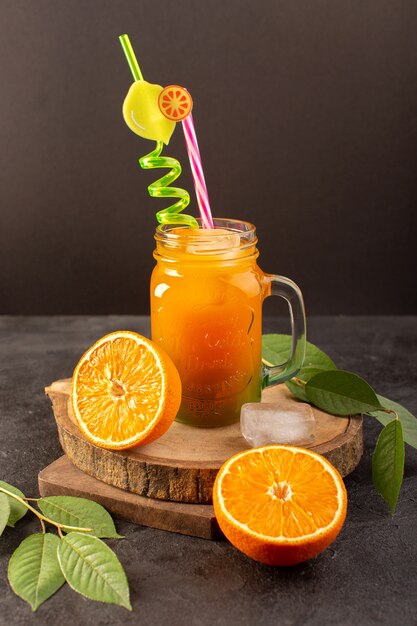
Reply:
x=175 y=103
x=142 y=114
x=125 y=391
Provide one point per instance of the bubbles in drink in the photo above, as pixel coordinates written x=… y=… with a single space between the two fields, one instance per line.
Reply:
x=203 y=240
x=211 y=240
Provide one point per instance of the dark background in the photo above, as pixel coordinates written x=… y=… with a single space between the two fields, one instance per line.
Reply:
x=306 y=114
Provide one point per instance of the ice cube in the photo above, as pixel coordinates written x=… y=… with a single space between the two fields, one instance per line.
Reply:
x=212 y=240
x=262 y=423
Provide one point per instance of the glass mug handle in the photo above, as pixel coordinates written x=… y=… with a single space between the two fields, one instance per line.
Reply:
x=287 y=289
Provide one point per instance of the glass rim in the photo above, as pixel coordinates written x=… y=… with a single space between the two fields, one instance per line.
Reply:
x=245 y=230
x=168 y=243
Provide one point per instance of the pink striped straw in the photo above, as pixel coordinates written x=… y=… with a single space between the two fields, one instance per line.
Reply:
x=197 y=172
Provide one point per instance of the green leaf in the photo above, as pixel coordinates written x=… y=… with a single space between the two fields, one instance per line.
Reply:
x=4 y=511
x=79 y=512
x=407 y=419
x=388 y=463
x=296 y=390
x=92 y=568
x=341 y=393
x=34 y=573
x=276 y=349
x=17 y=510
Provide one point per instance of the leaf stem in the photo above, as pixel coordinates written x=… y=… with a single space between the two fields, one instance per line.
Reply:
x=298 y=382
x=41 y=517
x=397 y=417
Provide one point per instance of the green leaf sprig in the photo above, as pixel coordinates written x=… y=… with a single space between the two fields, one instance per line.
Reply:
x=344 y=393
x=43 y=562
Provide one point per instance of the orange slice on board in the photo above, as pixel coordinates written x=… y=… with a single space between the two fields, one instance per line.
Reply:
x=278 y=504
x=175 y=103
x=125 y=391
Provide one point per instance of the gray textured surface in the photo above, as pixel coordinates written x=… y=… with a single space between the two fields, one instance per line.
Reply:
x=367 y=577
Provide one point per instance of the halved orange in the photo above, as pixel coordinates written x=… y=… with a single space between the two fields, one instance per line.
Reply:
x=175 y=103
x=280 y=505
x=125 y=391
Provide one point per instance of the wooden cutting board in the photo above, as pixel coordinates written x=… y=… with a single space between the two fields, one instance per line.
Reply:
x=168 y=483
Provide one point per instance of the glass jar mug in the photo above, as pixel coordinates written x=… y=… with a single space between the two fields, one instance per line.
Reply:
x=206 y=313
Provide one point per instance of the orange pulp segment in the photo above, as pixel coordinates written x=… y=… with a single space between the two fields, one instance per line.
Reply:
x=280 y=505
x=125 y=391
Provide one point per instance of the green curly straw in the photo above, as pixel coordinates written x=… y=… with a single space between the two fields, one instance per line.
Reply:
x=172 y=214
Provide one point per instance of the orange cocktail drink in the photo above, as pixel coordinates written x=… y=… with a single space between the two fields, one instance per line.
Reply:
x=207 y=293
x=206 y=298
